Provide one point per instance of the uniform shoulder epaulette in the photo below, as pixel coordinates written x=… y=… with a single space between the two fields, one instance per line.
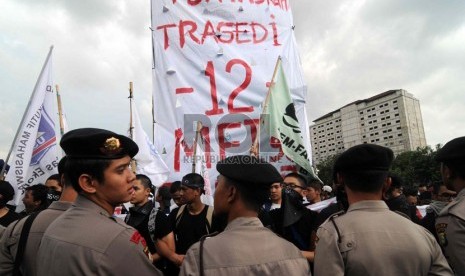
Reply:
x=331 y=218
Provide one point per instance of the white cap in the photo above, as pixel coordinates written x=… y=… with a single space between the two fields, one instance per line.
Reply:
x=327 y=189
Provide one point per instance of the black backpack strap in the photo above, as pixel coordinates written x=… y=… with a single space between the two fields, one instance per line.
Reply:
x=22 y=243
x=202 y=240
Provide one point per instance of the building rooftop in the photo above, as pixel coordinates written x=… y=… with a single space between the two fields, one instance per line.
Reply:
x=381 y=95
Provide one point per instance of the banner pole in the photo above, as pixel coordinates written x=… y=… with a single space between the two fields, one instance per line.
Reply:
x=196 y=139
x=24 y=114
x=131 y=123
x=60 y=110
x=255 y=150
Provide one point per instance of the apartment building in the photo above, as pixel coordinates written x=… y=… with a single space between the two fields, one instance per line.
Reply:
x=392 y=119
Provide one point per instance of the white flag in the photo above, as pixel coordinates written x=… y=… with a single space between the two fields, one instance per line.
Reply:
x=34 y=151
x=148 y=160
x=201 y=168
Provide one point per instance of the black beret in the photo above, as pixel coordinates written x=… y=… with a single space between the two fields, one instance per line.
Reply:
x=94 y=143
x=452 y=150
x=363 y=158
x=193 y=180
x=248 y=169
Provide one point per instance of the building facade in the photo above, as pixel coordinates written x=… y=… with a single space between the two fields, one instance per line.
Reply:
x=391 y=119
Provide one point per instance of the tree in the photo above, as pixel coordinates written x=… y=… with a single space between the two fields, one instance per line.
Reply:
x=417 y=166
x=325 y=169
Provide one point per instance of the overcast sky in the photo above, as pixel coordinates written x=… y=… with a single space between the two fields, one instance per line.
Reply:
x=350 y=50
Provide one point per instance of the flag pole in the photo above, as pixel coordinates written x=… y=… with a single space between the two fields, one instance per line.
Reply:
x=60 y=110
x=131 y=123
x=196 y=140
x=24 y=114
x=254 y=150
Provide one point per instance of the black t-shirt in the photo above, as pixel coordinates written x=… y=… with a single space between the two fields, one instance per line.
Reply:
x=9 y=218
x=189 y=228
x=162 y=227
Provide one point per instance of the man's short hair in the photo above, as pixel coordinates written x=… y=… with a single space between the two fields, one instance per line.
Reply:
x=175 y=187
x=39 y=193
x=253 y=196
x=144 y=180
x=93 y=167
x=315 y=184
x=301 y=178
x=6 y=190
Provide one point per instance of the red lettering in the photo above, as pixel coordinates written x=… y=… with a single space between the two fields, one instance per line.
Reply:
x=276 y=144
x=275 y=34
x=209 y=30
x=193 y=2
x=223 y=144
x=191 y=27
x=287 y=169
x=254 y=31
x=239 y=31
x=210 y=72
x=242 y=87
x=165 y=33
x=219 y=28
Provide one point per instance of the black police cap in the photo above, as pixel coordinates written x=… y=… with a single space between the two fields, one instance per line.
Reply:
x=248 y=169
x=95 y=143
x=363 y=158
x=452 y=150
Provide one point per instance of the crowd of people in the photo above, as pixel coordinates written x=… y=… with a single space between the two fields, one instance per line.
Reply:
x=261 y=223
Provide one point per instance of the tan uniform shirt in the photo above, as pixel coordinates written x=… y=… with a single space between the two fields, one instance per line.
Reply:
x=9 y=242
x=376 y=241
x=246 y=248
x=86 y=240
x=450 y=227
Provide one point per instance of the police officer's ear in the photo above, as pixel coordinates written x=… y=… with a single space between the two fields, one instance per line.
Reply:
x=387 y=184
x=87 y=183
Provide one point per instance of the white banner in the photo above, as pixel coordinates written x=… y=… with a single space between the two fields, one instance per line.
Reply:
x=147 y=159
x=213 y=61
x=34 y=152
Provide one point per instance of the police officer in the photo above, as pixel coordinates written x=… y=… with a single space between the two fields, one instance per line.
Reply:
x=450 y=224
x=87 y=239
x=369 y=239
x=26 y=239
x=245 y=247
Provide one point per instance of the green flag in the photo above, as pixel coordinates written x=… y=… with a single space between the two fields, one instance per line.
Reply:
x=282 y=122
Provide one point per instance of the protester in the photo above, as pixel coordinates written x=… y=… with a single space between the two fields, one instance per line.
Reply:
x=326 y=192
x=245 y=247
x=450 y=224
x=396 y=200
x=293 y=221
x=138 y=216
x=35 y=199
x=275 y=199
x=187 y=224
x=32 y=228
x=314 y=190
x=175 y=191
x=369 y=239
x=6 y=194
x=55 y=187
x=441 y=197
x=87 y=239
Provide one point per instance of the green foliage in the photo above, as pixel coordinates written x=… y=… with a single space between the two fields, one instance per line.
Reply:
x=414 y=167
x=417 y=166
x=325 y=169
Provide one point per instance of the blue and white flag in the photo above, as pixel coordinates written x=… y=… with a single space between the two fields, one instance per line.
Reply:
x=34 y=151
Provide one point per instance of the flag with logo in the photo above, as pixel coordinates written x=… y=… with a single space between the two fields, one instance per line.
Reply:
x=148 y=161
x=280 y=118
x=34 y=152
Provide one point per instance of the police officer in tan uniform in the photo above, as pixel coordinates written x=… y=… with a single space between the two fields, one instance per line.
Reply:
x=450 y=224
x=245 y=247
x=87 y=239
x=10 y=242
x=369 y=239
